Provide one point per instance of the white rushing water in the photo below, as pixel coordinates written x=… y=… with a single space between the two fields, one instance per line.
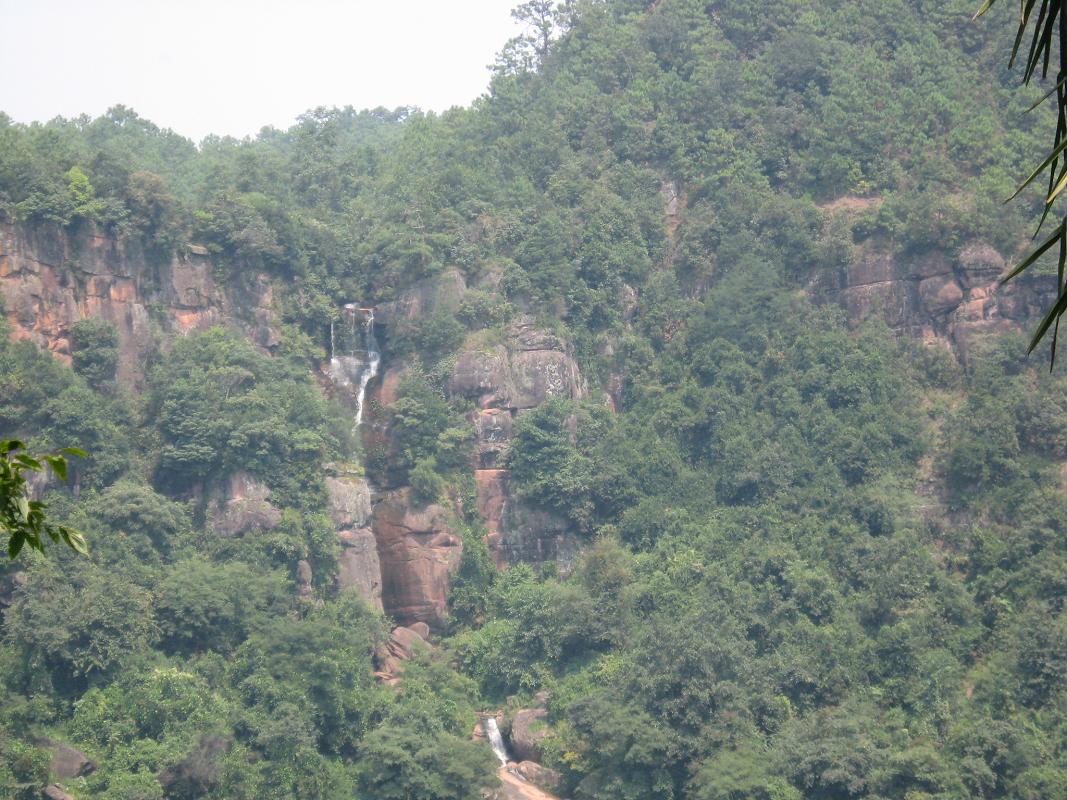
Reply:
x=496 y=740
x=354 y=354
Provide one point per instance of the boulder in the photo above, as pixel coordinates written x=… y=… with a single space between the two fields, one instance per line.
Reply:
x=404 y=642
x=979 y=265
x=528 y=730
x=940 y=294
x=241 y=505
x=67 y=762
x=539 y=776
x=55 y=792
x=421 y=628
x=530 y=367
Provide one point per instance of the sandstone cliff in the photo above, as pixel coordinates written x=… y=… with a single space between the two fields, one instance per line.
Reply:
x=952 y=298
x=51 y=277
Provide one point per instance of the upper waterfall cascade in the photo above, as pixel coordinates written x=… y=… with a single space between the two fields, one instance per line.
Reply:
x=354 y=354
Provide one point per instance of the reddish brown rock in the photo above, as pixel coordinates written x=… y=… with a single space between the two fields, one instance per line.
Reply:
x=492 y=496
x=51 y=277
x=421 y=628
x=540 y=776
x=419 y=554
x=404 y=642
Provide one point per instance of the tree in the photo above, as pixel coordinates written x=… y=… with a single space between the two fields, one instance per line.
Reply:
x=23 y=520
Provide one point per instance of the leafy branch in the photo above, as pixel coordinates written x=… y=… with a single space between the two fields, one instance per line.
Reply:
x=23 y=520
x=1050 y=18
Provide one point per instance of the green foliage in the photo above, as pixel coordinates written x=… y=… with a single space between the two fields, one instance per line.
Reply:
x=23 y=519
x=94 y=350
x=813 y=561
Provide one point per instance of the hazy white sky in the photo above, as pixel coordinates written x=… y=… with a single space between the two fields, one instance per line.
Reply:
x=233 y=66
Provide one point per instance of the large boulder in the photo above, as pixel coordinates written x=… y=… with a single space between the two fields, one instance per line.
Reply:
x=528 y=730
x=67 y=762
x=242 y=504
x=349 y=501
x=419 y=553
x=979 y=265
x=540 y=776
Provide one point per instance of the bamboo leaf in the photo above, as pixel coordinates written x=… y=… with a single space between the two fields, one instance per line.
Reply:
x=1034 y=256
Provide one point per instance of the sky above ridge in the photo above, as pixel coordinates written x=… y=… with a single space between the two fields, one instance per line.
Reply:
x=230 y=67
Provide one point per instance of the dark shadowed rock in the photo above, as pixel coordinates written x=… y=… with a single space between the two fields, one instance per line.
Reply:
x=528 y=730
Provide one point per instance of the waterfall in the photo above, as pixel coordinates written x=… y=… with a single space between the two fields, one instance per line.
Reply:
x=354 y=354
x=496 y=740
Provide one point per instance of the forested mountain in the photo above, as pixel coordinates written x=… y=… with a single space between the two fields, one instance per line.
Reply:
x=697 y=446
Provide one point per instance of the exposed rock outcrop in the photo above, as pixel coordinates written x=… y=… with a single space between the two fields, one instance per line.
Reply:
x=419 y=552
x=241 y=505
x=529 y=368
x=439 y=294
x=933 y=295
x=67 y=762
x=403 y=645
x=540 y=776
x=358 y=565
x=51 y=277
x=528 y=730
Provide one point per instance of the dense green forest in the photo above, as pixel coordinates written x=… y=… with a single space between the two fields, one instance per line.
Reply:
x=819 y=560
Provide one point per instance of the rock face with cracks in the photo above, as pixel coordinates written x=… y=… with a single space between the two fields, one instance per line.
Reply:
x=419 y=552
x=51 y=277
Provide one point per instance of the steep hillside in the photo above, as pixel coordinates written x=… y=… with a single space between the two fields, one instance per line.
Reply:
x=661 y=408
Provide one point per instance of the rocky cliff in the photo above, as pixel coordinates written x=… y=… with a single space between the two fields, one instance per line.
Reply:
x=940 y=297
x=51 y=277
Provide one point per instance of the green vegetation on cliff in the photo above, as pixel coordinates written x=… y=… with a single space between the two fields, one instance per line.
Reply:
x=818 y=559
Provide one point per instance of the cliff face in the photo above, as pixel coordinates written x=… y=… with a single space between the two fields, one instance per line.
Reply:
x=50 y=278
x=936 y=296
x=398 y=557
